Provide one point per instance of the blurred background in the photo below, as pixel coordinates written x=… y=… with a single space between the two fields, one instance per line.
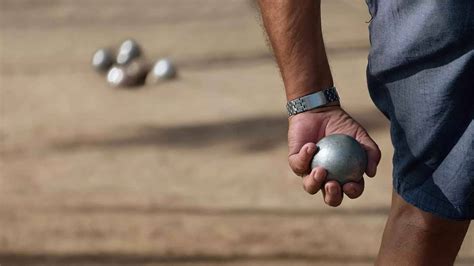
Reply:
x=187 y=172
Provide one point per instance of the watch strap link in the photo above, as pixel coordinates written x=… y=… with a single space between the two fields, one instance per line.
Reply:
x=312 y=101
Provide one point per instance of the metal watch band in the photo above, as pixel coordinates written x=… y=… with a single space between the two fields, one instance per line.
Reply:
x=312 y=101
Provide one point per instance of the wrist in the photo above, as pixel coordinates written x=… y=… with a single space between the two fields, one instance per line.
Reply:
x=303 y=82
x=298 y=90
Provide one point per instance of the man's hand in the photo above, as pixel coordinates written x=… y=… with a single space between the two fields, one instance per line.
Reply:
x=306 y=129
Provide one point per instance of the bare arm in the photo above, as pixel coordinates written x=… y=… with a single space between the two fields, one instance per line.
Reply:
x=294 y=30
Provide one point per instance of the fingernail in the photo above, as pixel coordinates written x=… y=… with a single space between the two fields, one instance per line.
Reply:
x=332 y=190
x=318 y=177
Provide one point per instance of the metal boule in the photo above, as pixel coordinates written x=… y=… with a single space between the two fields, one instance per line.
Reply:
x=128 y=51
x=342 y=156
x=163 y=69
x=102 y=60
x=116 y=77
x=130 y=75
x=138 y=70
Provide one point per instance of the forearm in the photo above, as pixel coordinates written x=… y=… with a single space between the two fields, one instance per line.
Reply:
x=294 y=30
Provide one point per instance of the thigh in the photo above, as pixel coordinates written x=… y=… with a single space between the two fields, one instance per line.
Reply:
x=415 y=237
x=429 y=99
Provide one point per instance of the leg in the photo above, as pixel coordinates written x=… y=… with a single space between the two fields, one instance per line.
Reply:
x=415 y=237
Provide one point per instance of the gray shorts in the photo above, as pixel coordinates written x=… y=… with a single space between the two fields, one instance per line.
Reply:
x=421 y=76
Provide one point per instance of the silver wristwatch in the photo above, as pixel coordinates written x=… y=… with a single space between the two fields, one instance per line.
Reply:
x=312 y=101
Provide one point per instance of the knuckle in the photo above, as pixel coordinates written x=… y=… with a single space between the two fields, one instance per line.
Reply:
x=353 y=196
x=312 y=191
x=304 y=167
x=308 y=186
x=334 y=203
x=297 y=169
x=305 y=187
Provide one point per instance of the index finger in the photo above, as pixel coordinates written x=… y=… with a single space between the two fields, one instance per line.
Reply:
x=300 y=162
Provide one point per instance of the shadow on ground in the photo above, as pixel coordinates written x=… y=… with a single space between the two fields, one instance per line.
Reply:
x=254 y=134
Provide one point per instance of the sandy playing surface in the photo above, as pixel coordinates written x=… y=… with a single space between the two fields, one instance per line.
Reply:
x=190 y=172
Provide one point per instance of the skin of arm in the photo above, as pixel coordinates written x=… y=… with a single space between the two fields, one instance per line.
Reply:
x=295 y=34
x=294 y=30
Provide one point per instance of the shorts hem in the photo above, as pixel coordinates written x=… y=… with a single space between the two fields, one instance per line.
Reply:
x=429 y=203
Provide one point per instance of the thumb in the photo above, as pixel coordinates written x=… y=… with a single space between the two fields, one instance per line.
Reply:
x=300 y=162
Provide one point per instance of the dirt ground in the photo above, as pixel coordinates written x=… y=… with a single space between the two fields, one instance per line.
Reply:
x=190 y=172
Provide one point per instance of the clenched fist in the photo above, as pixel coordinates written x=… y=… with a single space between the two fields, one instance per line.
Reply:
x=306 y=129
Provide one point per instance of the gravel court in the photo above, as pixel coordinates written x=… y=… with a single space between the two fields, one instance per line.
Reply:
x=94 y=175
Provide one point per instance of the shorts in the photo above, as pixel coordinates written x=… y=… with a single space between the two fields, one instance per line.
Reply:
x=420 y=74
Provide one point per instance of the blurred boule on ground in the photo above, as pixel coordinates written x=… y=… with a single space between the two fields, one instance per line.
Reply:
x=102 y=60
x=130 y=75
x=128 y=51
x=162 y=70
